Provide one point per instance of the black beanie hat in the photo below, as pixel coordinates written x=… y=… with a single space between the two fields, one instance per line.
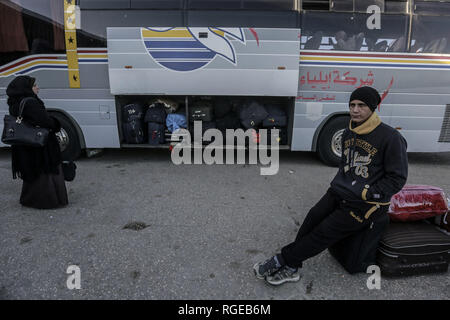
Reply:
x=368 y=95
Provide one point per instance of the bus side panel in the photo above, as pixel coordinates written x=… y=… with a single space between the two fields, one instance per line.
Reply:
x=92 y=107
x=414 y=97
x=231 y=61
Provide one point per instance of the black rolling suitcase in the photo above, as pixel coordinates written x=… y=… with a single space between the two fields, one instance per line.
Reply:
x=252 y=115
x=201 y=111
x=276 y=117
x=205 y=126
x=230 y=121
x=222 y=107
x=413 y=248
x=133 y=123
x=357 y=252
x=156 y=113
x=156 y=133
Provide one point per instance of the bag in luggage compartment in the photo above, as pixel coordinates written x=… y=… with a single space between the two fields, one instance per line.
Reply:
x=132 y=112
x=276 y=118
x=156 y=134
x=252 y=115
x=156 y=113
x=202 y=111
x=417 y=202
x=169 y=105
x=222 y=108
x=205 y=126
x=176 y=121
x=132 y=123
x=230 y=121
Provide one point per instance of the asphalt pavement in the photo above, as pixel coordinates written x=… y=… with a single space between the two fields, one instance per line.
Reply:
x=140 y=227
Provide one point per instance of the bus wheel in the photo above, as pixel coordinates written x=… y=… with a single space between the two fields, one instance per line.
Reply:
x=329 y=146
x=67 y=138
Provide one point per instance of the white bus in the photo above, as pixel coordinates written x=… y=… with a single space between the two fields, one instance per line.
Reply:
x=93 y=57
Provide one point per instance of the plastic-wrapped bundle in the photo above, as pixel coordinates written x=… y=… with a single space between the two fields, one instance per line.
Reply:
x=417 y=202
x=170 y=105
x=176 y=121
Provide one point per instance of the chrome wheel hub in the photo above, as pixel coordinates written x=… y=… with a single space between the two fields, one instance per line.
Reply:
x=336 y=143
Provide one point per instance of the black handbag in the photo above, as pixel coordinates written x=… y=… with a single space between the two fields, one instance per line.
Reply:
x=69 y=170
x=17 y=132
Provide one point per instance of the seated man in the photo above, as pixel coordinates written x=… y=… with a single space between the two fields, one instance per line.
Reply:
x=374 y=167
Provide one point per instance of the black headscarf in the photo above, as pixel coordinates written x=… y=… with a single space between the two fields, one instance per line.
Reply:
x=20 y=87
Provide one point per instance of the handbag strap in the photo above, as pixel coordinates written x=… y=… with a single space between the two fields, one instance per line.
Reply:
x=22 y=105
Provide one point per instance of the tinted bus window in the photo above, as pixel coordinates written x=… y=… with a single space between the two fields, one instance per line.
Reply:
x=355 y=5
x=104 y=4
x=155 y=4
x=269 y=4
x=431 y=7
x=430 y=34
x=95 y=22
x=349 y=32
x=243 y=18
x=30 y=27
x=214 y=4
x=396 y=6
x=242 y=4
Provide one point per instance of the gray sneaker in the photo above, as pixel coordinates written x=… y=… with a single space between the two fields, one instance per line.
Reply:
x=266 y=268
x=283 y=275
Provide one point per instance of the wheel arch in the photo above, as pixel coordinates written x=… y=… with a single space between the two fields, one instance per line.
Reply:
x=73 y=122
x=325 y=121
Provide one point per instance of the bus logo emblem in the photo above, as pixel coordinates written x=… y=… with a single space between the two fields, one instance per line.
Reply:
x=188 y=49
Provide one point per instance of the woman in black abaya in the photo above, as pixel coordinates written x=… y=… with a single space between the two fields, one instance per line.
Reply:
x=39 y=167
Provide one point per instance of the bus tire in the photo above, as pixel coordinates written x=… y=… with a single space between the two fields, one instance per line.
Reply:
x=329 y=142
x=68 y=138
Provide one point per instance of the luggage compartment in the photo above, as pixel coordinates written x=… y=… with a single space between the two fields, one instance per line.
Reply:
x=214 y=112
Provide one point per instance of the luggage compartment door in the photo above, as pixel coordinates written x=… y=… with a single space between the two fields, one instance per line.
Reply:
x=204 y=61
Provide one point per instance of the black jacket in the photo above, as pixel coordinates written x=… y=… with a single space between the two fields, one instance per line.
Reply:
x=374 y=164
x=29 y=162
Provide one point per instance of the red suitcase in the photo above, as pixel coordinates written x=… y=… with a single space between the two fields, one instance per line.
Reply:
x=417 y=202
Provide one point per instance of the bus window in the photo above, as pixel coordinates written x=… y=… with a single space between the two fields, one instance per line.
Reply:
x=349 y=32
x=239 y=18
x=214 y=4
x=269 y=4
x=430 y=34
x=104 y=4
x=362 y=5
x=30 y=27
x=242 y=4
x=431 y=7
x=342 y=5
x=397 y=6
x=157 y=4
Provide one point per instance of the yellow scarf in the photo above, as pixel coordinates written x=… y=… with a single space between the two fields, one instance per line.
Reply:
x=368 y=126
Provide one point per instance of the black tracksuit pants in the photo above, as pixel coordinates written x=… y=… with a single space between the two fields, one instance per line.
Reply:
x=330 y=220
